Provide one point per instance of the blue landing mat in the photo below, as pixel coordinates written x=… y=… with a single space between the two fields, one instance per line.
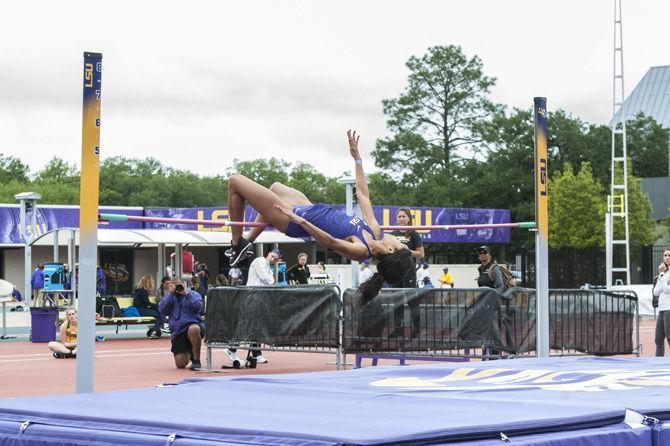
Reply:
x=549 y=400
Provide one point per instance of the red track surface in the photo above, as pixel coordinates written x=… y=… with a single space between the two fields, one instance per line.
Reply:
x=29 y=369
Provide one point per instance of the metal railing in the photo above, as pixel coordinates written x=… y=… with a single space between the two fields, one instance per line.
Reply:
x=428 y=323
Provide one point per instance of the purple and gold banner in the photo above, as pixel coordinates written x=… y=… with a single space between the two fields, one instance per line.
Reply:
x=385 y=216
x=49 y=218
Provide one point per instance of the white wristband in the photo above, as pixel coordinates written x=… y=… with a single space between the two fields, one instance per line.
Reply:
x=358 y=162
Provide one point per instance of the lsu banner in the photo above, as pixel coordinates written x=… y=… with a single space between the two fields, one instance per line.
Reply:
x=49 y=218
x=385 y=216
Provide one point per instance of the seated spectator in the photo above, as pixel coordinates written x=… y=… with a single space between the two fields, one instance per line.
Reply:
x=141 y=301
x=67 y=347
x=17 y=297
x=299 y=274
x=426 y=283
x=235 y=276
x=163 y=288
x=187 y=327
x=197 y=286
x=321 y=268
x=422 y=271
x=221 y=280
x=203 y=274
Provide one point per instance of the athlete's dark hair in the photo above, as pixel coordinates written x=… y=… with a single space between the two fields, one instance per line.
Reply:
x=391 y=268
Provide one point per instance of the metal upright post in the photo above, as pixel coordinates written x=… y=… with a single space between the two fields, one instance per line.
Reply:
x=542 y=234
x=617 y=205
x=88 y=219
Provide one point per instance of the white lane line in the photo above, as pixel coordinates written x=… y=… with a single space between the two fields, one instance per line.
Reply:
x=43 y=357
x=162 y=350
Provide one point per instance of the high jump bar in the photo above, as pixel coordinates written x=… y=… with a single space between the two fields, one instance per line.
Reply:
x=255 y=224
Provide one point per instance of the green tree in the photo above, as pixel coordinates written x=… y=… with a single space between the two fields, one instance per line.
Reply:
x=640 y=222
x=132 y=182
x=11 y=168
x=264 y=172
x=385 y=190
x=58 y=171
x=647 y=146
x=315 y=185
x=576 y=209
x=436 y=118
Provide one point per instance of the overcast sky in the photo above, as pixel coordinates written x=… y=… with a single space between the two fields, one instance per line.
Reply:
x=197 y=84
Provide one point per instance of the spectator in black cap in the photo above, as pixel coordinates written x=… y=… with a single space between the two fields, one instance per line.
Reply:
x=486 y=260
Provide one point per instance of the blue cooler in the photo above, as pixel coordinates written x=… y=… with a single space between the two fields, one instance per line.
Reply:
x=54 y=276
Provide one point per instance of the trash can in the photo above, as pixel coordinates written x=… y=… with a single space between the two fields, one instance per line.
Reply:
x=43 y=324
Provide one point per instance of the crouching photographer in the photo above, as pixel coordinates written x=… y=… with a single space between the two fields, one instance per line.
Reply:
x=184 y=307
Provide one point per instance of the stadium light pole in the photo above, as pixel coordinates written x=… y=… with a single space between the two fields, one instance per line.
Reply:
x=28 y=203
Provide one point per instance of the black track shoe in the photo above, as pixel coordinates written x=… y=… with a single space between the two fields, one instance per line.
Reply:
x=240 y=251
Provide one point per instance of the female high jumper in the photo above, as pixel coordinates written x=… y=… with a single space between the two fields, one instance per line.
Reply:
x=291 y=212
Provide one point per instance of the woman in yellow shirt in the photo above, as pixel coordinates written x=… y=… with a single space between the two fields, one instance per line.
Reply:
x=67 y=347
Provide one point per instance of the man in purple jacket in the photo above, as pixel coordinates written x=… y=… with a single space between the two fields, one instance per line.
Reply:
x=184 y=307
x=37 y=285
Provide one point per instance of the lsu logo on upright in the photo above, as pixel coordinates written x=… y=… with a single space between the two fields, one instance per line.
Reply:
x=543 y=177
x=88 y=75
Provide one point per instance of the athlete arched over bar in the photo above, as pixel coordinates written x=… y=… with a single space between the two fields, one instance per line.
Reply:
x=291 y=212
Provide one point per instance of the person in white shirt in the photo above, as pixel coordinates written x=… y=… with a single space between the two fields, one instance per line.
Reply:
x=260 y=274
x=365 y=273
x=662 y=290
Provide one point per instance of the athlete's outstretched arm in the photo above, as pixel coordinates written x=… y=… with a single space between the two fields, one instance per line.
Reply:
x=362 y=192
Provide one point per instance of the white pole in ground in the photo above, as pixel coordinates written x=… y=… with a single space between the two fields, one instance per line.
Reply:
x=608 y=244
x=72 y=263
x=160 y=270
x=542 y=235
x=88 y=221
x=56 y=247
x=349 y=184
